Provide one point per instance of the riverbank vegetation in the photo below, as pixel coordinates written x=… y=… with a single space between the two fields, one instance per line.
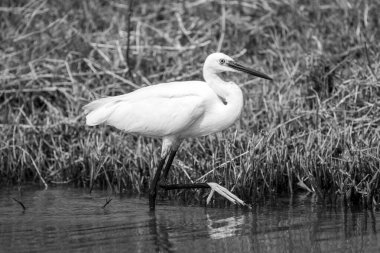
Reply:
x=315 y=128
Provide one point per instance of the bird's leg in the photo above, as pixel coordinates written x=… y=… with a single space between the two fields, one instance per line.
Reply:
x=184 y=186
x=153 y=185
x=165 y=186
x=169 y=163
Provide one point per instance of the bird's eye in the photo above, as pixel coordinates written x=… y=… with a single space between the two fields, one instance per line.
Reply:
x=222 y=61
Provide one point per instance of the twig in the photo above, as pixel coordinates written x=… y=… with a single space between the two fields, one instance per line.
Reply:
x=369 y=61
x=30 y=90
x=21 y=204
x=113 y=74
x=91 y=185
x=183 y=29
x=39 y=173
x=158 y=47
x=61 y=182
x=108 y=200
x=35 y=166
x=221 y=165
x=223 y=28
x=24 y=36
x=130 y=12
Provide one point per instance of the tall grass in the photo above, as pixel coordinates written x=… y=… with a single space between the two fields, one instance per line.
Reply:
x=315 y=128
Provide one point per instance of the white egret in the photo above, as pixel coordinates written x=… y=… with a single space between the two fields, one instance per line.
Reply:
x=175 y=111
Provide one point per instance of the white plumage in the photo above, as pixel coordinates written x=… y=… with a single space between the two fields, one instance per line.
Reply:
x=181 y=109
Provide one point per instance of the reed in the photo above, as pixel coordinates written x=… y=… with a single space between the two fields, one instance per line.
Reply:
x=316 y=128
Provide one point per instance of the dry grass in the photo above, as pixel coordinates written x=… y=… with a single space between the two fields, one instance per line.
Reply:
x=316 y=128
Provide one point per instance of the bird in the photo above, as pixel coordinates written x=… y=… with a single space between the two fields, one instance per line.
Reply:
x=175 y=111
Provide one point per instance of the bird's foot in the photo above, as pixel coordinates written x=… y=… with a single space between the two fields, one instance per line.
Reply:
x=214 y=188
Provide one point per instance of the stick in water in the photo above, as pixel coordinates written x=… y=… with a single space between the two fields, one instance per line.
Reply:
x=21 y=204
x=107 y=202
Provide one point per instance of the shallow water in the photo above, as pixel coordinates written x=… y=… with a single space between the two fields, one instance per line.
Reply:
x=67 y=219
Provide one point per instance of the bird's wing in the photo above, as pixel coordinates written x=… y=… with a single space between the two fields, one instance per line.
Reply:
x=99 y=110
x=159 y=110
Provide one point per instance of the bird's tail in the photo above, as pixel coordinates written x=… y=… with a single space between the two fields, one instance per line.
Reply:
x=99 y=110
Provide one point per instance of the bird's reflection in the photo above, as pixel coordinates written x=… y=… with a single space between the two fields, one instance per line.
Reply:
x=161 y=236
x=223 y=228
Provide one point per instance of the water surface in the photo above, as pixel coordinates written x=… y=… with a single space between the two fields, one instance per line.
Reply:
x=72 y=220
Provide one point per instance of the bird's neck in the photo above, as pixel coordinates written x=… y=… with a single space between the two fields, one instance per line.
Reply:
x=231 y=97
x=218 y=85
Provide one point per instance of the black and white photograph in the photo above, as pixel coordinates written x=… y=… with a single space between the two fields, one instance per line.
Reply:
x=189 y=126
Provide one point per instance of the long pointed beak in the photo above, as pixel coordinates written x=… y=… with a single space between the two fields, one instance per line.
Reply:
x=247 y=70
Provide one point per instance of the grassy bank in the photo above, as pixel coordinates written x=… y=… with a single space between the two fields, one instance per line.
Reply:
x=315 y=128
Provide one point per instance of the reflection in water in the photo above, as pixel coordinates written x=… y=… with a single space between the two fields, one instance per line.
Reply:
x=160 y=235
x=223 y=228
x=71 y=219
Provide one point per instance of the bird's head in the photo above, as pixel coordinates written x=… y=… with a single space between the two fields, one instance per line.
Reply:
x=219 y=62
